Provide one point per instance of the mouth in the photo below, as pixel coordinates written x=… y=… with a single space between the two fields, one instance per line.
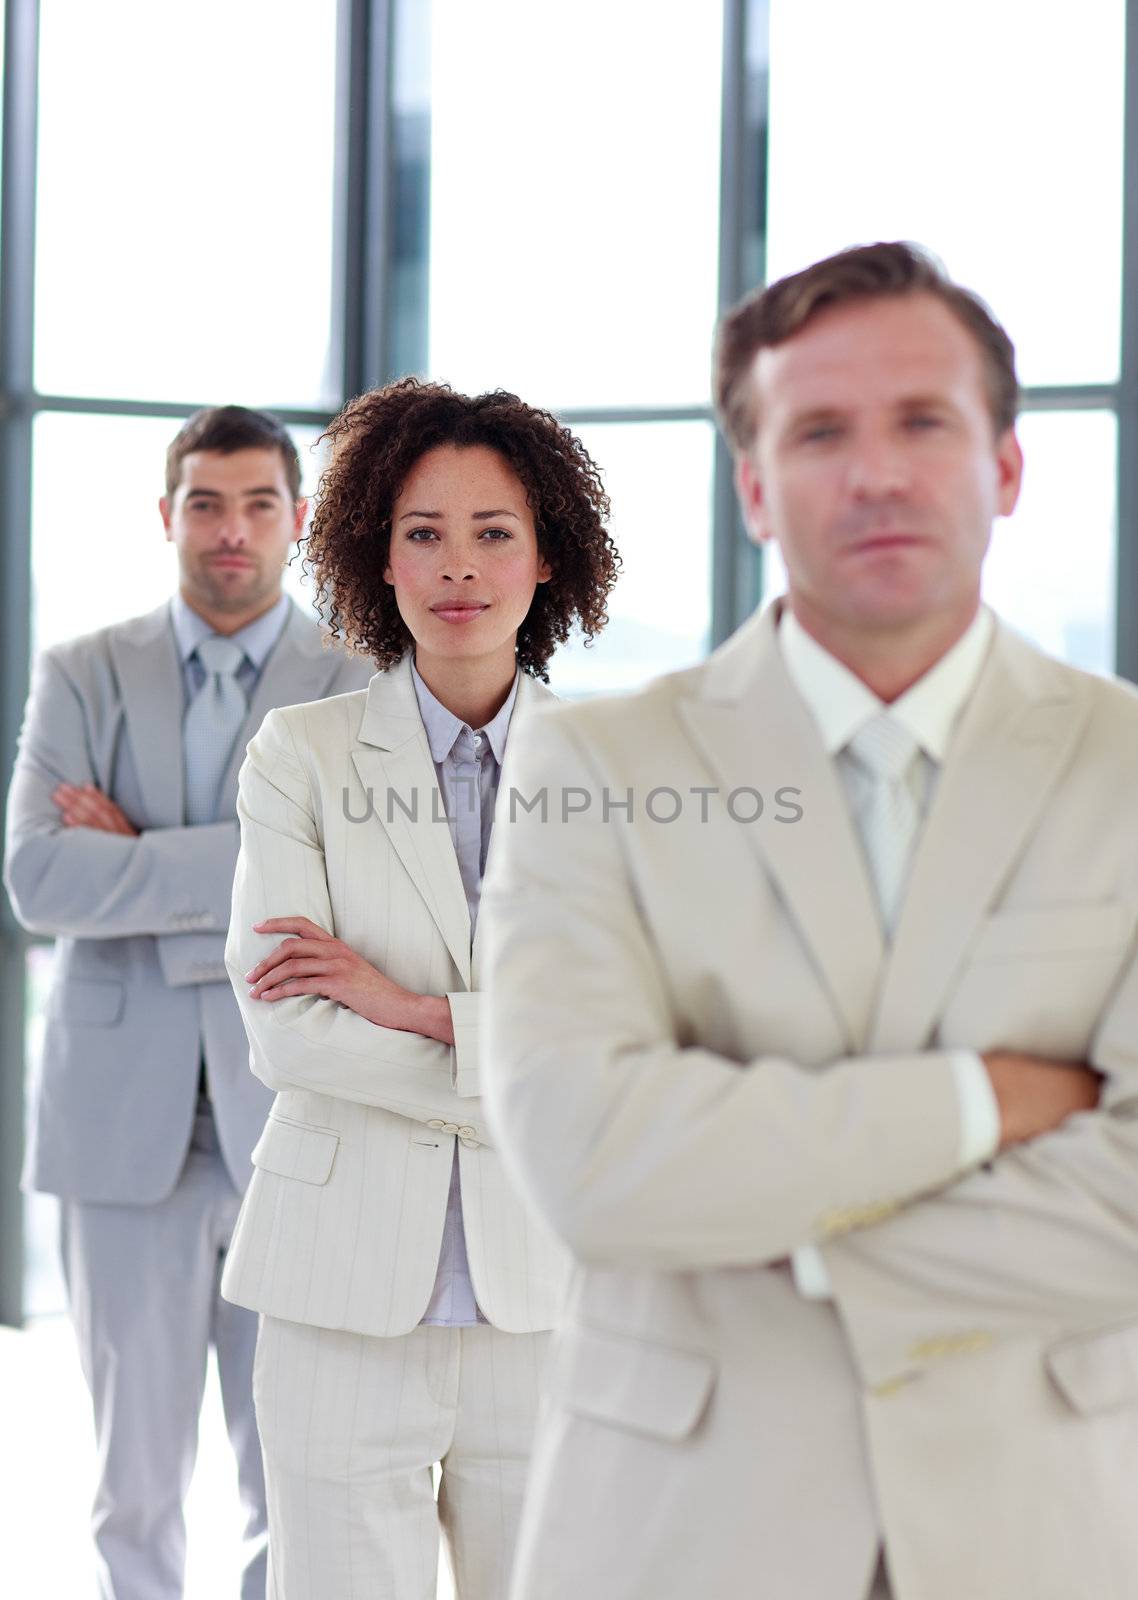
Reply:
x=886 y=541
x=459 y=610
x=234 y=562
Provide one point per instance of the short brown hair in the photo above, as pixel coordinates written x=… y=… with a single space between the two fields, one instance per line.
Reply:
x=867 y=272
x=227 y=429
x=377 y=439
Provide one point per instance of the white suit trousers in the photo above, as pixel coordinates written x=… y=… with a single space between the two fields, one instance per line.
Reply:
x=351 y=1426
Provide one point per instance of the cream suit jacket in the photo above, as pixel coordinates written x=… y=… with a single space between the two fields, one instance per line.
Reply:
x=735 y=1066
x=342 y=822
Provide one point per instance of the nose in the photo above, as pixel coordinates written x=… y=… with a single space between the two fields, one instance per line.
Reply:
x=457 y=566
x=878 y=469
x=233 y=530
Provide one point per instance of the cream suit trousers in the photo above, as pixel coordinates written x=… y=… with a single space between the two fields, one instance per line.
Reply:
x=351 y=1426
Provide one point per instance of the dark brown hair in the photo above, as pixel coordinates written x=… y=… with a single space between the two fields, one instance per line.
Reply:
x=377 y=439
x=867 y=272
x=227 y=429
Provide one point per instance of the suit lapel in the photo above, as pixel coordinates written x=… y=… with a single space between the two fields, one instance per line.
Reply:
x=754 y=731
x=150 y=683
x=393 y=760
x=1013 y=744
x=298 y=668
x=530 y=693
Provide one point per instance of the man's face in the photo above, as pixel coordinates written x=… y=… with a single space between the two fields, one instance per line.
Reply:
x=876 y=468
x=232 y=519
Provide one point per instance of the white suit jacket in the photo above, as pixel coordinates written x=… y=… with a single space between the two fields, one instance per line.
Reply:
x=342 y=822
x=735 y=1066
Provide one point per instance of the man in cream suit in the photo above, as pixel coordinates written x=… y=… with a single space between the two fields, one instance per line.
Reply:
x=821 y=1056
x=122 y=842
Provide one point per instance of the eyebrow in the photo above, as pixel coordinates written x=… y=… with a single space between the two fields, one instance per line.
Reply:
x=215 y=494
x=475 y=516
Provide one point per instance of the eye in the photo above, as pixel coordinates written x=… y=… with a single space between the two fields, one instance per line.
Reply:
x=819 y=433
x=920 y=420
x=425 y=533
x=495 y=533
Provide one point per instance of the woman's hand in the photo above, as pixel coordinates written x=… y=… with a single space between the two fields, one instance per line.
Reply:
x=311 y=961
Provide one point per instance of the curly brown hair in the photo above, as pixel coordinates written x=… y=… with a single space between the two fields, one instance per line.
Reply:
x=376 y=440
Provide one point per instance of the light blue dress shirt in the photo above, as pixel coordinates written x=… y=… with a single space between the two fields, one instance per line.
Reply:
x=257 y=639
x=468 y=765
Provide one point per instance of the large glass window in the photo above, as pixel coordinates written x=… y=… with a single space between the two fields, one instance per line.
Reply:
x=185 y=236
x=659 y=479
x=574 y=199
x=989 y=130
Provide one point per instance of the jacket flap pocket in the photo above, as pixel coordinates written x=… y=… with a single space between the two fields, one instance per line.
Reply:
x=1097 y=1371
x=296 y=1150
x=98 y=1000
x=1053 y=930
x=650 y=1388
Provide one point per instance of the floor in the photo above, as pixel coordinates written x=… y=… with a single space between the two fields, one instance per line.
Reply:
x=47 y=1471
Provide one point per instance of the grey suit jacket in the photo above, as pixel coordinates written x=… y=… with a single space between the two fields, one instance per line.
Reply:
x=140 y=988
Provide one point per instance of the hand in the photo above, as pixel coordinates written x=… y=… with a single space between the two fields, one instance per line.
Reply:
x=1035 y=1095
x=312 y=961
x=88 y=807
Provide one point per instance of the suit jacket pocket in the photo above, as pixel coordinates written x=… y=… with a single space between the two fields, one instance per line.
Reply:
x=87 y=1000
x=648 y=1388
x=1097 y=1371
x=296 y=1150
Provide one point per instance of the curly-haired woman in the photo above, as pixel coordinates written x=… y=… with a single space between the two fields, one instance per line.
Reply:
x=404 y=1292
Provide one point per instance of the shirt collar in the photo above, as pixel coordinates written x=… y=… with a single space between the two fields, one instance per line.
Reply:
x=443 y=727
x=842 y=704
x=256 y=638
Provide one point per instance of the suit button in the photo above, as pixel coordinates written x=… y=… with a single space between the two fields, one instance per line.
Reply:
x=450 y=1127
x=468 y=1133
x=437 y=1123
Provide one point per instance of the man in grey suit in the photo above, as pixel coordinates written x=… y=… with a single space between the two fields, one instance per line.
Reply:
x=122 y=842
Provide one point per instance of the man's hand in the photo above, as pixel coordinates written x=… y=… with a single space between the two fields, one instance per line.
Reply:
x=311 y=961
x=88 y=807
x=1035 y=1095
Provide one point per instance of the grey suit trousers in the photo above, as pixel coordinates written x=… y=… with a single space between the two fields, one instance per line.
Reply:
x=143 y=1283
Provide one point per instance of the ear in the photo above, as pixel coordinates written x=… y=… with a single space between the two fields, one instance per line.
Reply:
x=544 y=570
x=298 y=518
x=164 y=511
x=752 y=501
x=387 y=575
x=1009 y=469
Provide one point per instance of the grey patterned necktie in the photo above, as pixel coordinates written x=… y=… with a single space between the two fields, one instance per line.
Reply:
x=889 y=821
x=213 y=721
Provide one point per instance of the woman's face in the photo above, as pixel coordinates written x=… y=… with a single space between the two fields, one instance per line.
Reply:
x=463 y=559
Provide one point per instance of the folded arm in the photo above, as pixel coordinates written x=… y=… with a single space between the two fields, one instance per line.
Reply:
x=88 y=883
x=309 y=1041
x=1048 y=1230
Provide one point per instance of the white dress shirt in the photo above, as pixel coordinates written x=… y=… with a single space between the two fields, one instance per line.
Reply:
x=841 y=704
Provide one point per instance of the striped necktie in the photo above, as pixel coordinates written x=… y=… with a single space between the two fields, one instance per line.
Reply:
x=212 y=723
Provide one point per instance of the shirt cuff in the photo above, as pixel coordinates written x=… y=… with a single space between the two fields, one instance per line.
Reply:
x=809 y=1271
x=979 y=1112
x=464 y=1008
